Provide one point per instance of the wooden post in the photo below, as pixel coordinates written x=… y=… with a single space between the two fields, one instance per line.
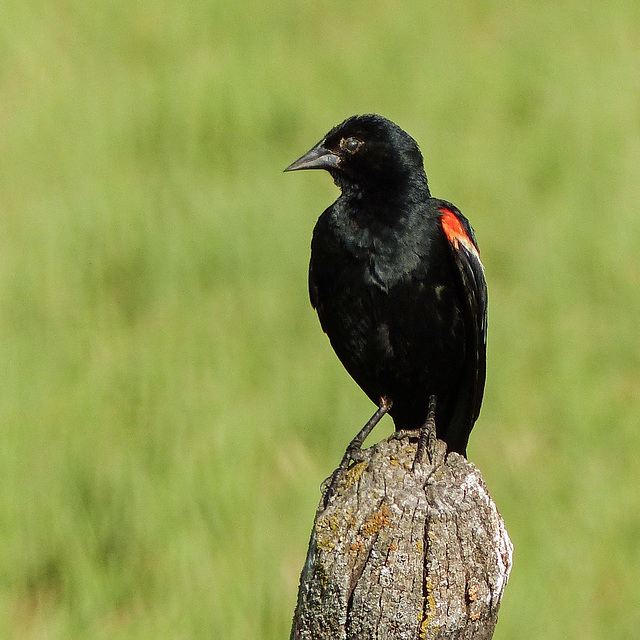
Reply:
x=404 y=555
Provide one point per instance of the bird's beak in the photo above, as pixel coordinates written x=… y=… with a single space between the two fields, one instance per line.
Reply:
x=317 y=158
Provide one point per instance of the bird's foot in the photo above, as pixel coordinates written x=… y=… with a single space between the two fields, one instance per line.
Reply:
x=354 y=450
x=427 y=438
x=405 y=433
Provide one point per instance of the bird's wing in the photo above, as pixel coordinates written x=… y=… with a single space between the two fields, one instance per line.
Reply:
x=464 y=250
x=323 y=259
x=313 y=289
x=314 y=295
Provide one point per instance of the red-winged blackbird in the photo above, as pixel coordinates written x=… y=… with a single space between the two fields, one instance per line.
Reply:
x=397 y=282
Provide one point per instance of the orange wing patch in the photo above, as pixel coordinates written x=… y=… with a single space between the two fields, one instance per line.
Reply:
x=455 y=232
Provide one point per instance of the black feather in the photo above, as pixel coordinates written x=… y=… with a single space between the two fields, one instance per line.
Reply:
x=396 y=280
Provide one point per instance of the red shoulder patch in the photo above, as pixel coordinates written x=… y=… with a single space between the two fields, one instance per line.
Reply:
x=455 y=232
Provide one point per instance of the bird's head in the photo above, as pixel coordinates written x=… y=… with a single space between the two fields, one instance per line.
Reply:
x=367 y=153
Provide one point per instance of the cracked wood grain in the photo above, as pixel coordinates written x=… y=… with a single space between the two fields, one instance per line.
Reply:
x=404 y=555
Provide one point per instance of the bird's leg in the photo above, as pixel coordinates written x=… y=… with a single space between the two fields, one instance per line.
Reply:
x=427 y=438
x=356 y=444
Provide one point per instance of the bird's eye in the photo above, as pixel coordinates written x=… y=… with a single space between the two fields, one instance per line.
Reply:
x=350 y=145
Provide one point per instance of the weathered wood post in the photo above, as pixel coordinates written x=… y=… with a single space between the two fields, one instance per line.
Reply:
x=404 y=555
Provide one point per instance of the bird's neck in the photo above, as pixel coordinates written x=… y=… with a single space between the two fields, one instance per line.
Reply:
x=370 y=222
x=383 y=204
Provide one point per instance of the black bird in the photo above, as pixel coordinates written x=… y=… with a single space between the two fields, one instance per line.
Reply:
x=396 y=279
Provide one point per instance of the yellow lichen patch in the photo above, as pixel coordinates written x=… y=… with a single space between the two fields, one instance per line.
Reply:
x=402 y=461
x=325 y=543
x=429 y=610
x=356 y=548
x=376 y=521
x=328 y=523
x=354 y=474
x=472 y=597
x=322 y=523
x=424 y=625
x=419 y=546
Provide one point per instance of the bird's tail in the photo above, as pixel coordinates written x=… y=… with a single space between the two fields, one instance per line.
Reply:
x=461 y=412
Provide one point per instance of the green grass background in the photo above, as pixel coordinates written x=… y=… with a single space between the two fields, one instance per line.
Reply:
x=168 y=403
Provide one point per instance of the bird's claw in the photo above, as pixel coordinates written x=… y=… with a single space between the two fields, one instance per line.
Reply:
x=427 y=438
x=405 y=433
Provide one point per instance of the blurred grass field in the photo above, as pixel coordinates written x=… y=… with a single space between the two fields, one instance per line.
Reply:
x=168 y=403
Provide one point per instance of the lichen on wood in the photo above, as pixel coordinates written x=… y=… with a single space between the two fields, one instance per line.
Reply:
x=402 y=554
